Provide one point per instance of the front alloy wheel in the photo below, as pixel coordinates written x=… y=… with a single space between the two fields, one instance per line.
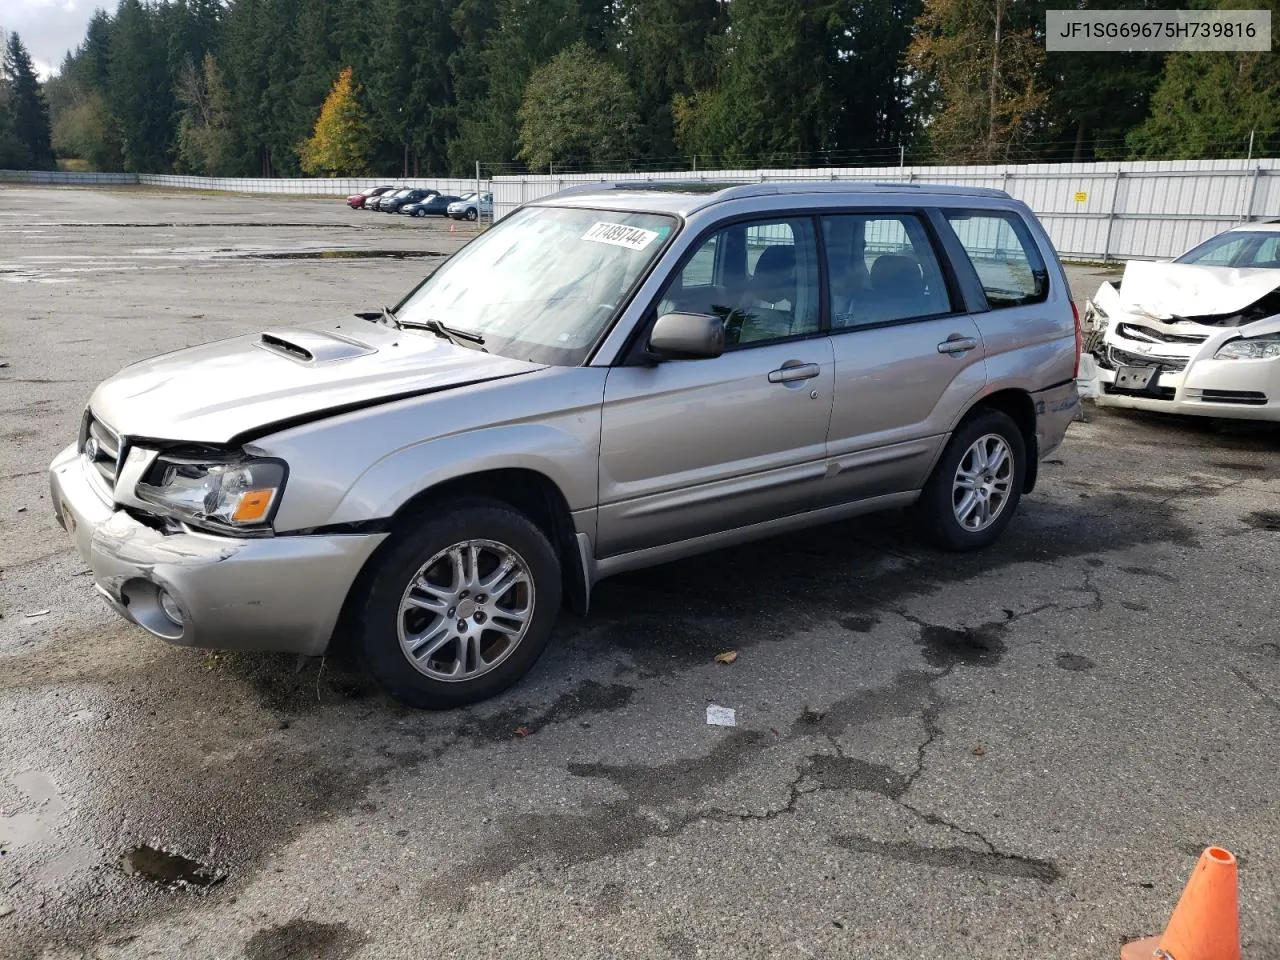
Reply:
x=466 y=610
x=458 y=603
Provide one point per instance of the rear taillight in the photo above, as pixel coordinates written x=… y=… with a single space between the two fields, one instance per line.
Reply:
x=1075 y=312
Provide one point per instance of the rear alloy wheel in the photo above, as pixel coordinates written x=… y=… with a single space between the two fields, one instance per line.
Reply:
x=471 y=213
x=977 y=484
x=461 y=607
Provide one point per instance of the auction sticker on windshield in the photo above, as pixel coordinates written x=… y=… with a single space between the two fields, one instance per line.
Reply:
x=620 y=235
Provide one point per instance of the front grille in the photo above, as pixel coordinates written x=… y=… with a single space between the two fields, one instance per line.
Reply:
x=101 y=446
x=1135 y=331
x=1123 y=358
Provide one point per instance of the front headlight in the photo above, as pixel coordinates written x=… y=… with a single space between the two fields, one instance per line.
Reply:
x=232 y=494
x=1264 y=347
x=1094 y=327
x=1094 y=318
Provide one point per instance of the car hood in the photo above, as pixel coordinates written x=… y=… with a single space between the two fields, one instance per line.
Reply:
x=1168 y=291
x=225 y=390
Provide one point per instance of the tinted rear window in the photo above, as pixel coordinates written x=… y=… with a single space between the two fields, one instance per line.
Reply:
x=1006 y=258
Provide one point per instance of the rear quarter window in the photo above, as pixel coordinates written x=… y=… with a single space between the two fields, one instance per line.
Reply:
x=1003 y=254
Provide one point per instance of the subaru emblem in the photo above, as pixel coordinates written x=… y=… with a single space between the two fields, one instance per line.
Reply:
x=91 y=449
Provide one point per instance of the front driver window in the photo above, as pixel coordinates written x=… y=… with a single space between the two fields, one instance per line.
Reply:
x=761 y=278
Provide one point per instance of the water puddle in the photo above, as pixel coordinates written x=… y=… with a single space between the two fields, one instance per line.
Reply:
x=339 y=255
x=168 y=869
x=37 y=817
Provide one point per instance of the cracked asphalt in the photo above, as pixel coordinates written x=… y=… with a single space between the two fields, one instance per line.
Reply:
x=1010 y=754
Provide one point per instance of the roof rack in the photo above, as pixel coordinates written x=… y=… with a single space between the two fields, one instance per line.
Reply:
x=736 y=189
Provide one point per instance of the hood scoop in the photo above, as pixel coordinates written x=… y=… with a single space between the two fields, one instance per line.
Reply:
x=312 y=346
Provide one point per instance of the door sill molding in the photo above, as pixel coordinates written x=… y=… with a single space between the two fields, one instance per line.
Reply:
x=651 y=556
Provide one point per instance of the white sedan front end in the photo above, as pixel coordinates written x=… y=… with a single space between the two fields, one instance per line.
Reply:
x=1185 y=339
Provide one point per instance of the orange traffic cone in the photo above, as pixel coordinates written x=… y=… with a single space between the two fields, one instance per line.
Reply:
x=1205 y=924
x=453 y=227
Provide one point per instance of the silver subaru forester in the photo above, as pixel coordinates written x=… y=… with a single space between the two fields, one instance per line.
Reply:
x=610 y=378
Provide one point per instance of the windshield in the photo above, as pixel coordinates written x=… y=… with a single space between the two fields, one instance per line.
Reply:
x=1240 y=248
x=544 y=283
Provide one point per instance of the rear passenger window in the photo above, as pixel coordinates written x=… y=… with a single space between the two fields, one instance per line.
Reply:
x=882 y=268
x=1004 y=255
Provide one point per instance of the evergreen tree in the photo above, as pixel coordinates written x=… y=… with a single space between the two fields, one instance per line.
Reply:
x=244 y=62
x=409 y=84
x=12 y=156
x=875 y=112
x=28 y=116
x=666 y=49
x=775 y=98
x=139 y=94
x=528 y=34
x=340 y=145
x=1208 y=104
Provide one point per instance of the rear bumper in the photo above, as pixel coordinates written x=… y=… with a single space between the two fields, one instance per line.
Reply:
x=273 y=593
x=1055 y=408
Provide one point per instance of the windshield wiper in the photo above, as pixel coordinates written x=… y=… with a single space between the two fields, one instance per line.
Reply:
x=462 y=338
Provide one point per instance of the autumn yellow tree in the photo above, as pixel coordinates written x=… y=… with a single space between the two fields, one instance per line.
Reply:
x=976 y=68
x=341 y=142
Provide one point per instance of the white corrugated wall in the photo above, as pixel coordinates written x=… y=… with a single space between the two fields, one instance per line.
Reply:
x=1092 y=211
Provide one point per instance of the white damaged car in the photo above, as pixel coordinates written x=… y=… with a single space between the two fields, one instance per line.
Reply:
x=1199 y=335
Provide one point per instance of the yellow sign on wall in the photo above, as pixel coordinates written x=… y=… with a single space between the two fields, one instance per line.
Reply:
x=1081 y=196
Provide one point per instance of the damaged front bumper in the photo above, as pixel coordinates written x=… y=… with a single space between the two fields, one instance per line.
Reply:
x=204 y=590
x=1205 y=388
x=1177 y=365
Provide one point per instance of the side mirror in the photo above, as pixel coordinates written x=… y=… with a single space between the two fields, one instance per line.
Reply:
x=687 y=336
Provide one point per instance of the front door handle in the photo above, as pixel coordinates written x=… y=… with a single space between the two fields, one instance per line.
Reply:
x=797 y=371
x=957 y=343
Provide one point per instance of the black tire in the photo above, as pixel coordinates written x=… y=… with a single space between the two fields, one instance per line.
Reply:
x=472 y=214
x=419 y=212
x=936 y=510
x=376 y=626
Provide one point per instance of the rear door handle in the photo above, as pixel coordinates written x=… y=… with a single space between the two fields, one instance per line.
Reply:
x=799 y=371
x=957 y=344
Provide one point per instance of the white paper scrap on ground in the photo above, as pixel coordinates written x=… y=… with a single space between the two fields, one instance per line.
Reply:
x=721 y=716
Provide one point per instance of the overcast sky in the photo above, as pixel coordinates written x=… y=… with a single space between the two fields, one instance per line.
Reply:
x=49 y=28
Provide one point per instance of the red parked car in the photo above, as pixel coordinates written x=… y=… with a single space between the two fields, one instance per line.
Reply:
x=356 y=200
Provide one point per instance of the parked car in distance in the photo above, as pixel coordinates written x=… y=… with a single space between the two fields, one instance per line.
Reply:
x=1199 y=335
x=436 y=205
x=472 y=206
x=392 y=202
x=357 y=200
x=610 y=378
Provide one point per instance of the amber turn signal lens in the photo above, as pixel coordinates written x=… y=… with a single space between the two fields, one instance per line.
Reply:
x=253 y=506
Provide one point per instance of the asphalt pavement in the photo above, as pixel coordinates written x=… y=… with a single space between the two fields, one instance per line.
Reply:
x=1013 y=754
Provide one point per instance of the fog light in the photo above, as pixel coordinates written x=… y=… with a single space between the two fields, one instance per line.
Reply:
x=170 y=607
